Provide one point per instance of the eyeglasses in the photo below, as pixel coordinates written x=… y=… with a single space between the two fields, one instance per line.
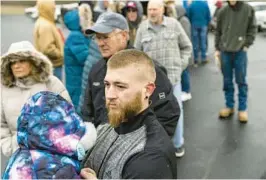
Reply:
x=104 y=37
x=131 y=10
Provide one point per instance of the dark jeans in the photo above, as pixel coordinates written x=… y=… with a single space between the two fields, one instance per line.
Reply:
x=235 y=63
x=199 y=39
x=185 y=81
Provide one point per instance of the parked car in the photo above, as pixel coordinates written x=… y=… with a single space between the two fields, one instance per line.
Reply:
x=263 y=24
x=260 y=13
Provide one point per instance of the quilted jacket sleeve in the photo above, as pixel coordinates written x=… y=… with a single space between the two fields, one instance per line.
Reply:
x=6 y=136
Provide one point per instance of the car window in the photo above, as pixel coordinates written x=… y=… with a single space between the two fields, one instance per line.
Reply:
x=260 y=8
x=263 y=7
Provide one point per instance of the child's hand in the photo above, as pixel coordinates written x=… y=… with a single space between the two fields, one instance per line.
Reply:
x=87 y=173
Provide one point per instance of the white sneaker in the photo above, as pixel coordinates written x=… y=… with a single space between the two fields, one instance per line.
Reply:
x=186 y=96
x=180 y=152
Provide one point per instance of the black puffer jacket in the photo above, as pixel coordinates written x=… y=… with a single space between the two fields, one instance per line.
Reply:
x=163 y=100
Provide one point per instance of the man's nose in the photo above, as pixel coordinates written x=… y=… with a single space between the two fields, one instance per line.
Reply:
x=100 y=42
x=110 y=93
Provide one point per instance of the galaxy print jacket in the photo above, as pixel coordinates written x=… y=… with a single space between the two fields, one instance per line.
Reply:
x=52 y=140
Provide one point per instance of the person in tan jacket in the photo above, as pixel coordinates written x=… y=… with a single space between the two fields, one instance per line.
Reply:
x=24 y=72
x=47 y=38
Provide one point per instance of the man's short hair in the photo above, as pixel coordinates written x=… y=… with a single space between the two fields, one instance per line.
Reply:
x=139 y=59
x=158 y=2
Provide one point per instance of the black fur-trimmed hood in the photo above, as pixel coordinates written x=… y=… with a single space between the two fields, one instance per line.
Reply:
x=24 y=50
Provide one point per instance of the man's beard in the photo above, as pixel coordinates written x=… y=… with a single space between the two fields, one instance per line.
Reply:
x=124 y=111
x=154 y=19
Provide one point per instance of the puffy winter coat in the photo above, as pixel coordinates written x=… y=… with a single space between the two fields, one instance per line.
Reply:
x=15 y=92
x=76 y=51
x=52 y=139
x=47 y=38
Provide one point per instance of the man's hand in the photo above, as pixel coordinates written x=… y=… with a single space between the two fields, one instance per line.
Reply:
x=217 y=57
x=87 y=173
x=217 y=54
x=245 y=49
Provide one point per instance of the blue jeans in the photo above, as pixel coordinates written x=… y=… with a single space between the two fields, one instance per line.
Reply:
x=199 y=39
x=185 y=81
x=58 y=72
x=178 y=139
x=235 y=63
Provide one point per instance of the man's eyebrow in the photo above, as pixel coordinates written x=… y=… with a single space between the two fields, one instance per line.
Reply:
x=117 y=82
x=120 y=83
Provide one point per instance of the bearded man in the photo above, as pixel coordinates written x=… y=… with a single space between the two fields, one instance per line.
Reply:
x=111 y=33
x=133 y=145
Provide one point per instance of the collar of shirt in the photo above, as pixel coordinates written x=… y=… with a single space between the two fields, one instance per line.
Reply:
x=164 y=23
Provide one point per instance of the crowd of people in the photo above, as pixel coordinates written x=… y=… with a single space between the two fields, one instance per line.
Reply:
x=126 y=76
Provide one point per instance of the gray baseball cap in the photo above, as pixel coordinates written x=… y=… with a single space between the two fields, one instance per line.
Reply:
x=107 y=22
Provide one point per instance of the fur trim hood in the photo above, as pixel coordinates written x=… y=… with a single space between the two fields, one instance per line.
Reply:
x=24 y=50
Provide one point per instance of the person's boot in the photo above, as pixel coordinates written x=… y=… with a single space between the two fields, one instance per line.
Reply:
x=243 y=116
x=226 y=112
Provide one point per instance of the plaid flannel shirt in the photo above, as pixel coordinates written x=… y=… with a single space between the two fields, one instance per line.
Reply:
x=170 y=46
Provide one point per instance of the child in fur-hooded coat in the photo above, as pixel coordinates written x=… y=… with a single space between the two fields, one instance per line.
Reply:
x=17 y=88
x=52 y=140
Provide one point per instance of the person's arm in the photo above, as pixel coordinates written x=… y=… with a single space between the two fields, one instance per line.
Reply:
x=47 y=40
x=185 y=46
x=208 y=14
x=187 y=26
x=149 y=165
x=137 y=43
x=251 y=31
x=164 y=103
x=218 y=31
x=79 y=47
x=87 y=109
x=6 y=136
x=189 y=13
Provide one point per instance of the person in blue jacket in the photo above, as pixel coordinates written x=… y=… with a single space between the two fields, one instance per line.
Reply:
x=76 y=49
x=200 y=17
x=93 y=57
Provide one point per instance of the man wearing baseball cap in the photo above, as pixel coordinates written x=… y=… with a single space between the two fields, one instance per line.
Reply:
x=111 y=33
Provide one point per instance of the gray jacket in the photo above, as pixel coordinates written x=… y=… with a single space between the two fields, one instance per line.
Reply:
x=184 y=21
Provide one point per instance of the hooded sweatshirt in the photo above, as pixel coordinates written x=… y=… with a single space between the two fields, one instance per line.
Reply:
x=76 y=49
x=184 y=21
x=47 y=38
x=52 y=139
x=236 y=27
x=16 y=91
x=133 y=26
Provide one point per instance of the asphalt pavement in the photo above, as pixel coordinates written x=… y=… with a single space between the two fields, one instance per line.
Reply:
x=220 y=149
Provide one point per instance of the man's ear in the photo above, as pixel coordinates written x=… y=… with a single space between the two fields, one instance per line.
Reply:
x=150 y=89
x=125 y=34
